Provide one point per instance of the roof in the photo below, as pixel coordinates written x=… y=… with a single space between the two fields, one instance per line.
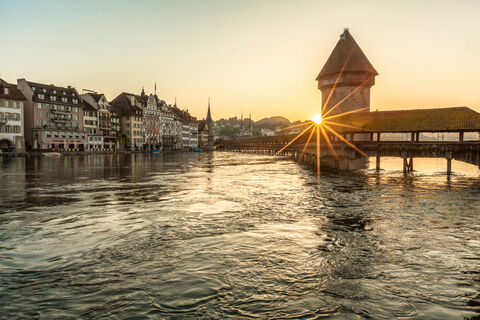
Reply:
x=88 y=106
x=348 y=56
x=424 y=120
x=201 y=125
x=123 y=104
x=13 y=92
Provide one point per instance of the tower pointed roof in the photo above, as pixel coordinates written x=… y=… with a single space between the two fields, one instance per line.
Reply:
x=348 y=56
x=209 y=116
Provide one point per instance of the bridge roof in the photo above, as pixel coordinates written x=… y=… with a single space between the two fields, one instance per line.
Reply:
x=419 y=120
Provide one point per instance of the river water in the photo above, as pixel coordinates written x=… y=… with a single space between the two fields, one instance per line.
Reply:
x=224 y=235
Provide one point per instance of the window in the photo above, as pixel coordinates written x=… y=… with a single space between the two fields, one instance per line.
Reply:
x=33 y=88
x=5 y=90
x=64 y=99
x=54 y=92
x=41 y=96
x=74 y=101
x=44 y=90
x=53 y=98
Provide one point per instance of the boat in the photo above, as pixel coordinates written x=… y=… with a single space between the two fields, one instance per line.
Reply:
x=51 y=154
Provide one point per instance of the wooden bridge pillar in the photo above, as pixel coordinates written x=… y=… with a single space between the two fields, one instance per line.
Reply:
x=460 y=136
x=377 y=163
x=449 y=157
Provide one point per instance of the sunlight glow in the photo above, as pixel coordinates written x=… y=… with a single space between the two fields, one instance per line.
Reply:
x=319 y=126
x=317 y=118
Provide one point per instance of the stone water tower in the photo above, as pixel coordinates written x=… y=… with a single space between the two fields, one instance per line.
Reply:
x=350 y=69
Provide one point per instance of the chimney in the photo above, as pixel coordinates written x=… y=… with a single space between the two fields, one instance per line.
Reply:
x=69 y=87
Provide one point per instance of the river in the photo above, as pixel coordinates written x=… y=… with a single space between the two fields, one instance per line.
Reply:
x=233 y=236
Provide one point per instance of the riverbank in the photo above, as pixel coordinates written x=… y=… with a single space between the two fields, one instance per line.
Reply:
x=72 y=153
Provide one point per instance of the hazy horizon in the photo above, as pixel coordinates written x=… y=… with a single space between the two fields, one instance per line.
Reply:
x=258 y=56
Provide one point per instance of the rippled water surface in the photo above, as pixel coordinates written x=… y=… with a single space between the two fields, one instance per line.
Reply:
x=224 y=235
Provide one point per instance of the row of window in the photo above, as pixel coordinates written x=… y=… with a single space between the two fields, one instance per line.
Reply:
x=70 y=125
x=137 y=133
x=9 y=116
x=10 y=129
x=135 y=118
x=11 y=104
x=54 y=98
x=58 y=134
x=44 y=90
x=91 y=122
x=57 y=107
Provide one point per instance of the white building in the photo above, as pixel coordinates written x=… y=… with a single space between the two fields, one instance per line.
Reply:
x=11 y=118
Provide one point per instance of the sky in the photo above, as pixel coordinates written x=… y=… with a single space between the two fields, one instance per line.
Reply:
x=259 y=56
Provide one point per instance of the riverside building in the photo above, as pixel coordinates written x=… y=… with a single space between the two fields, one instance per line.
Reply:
x=108 y=123
x=53 y=117
x=11 y=118
x=131 y=120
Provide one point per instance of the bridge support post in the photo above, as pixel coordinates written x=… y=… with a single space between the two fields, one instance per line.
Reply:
x=377 y=163
x=410 y=165
x=405 y=163
x=449 y=157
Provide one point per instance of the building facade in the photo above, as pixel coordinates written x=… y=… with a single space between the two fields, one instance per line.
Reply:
x=152 y=121
x=11 y=118
x=131 y=120
x=53 y=117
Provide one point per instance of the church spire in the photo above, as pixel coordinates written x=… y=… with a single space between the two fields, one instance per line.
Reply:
x=209 y=116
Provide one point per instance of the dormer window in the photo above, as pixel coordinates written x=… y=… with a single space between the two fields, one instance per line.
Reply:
x=33 y=88
x=44 y=90
x=54 y=92
x=64 y=93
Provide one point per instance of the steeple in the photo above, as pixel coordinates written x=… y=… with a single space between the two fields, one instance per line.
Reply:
x=209 y=116
x=143 y=92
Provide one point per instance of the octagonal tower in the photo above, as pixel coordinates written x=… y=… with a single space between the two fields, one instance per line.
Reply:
x=348 y=66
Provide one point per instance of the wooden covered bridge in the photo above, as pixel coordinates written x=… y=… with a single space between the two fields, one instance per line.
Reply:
x=365 y=130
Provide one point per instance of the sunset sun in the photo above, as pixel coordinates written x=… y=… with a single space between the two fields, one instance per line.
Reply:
x=317 y=119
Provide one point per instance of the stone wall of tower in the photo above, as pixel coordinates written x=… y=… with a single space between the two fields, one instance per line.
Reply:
x=358 y=100
x=357 y=82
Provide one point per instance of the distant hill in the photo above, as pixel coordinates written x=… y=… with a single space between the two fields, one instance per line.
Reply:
x=273 y=122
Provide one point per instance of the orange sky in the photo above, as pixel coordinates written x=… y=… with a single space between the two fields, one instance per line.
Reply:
x=261 y=56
